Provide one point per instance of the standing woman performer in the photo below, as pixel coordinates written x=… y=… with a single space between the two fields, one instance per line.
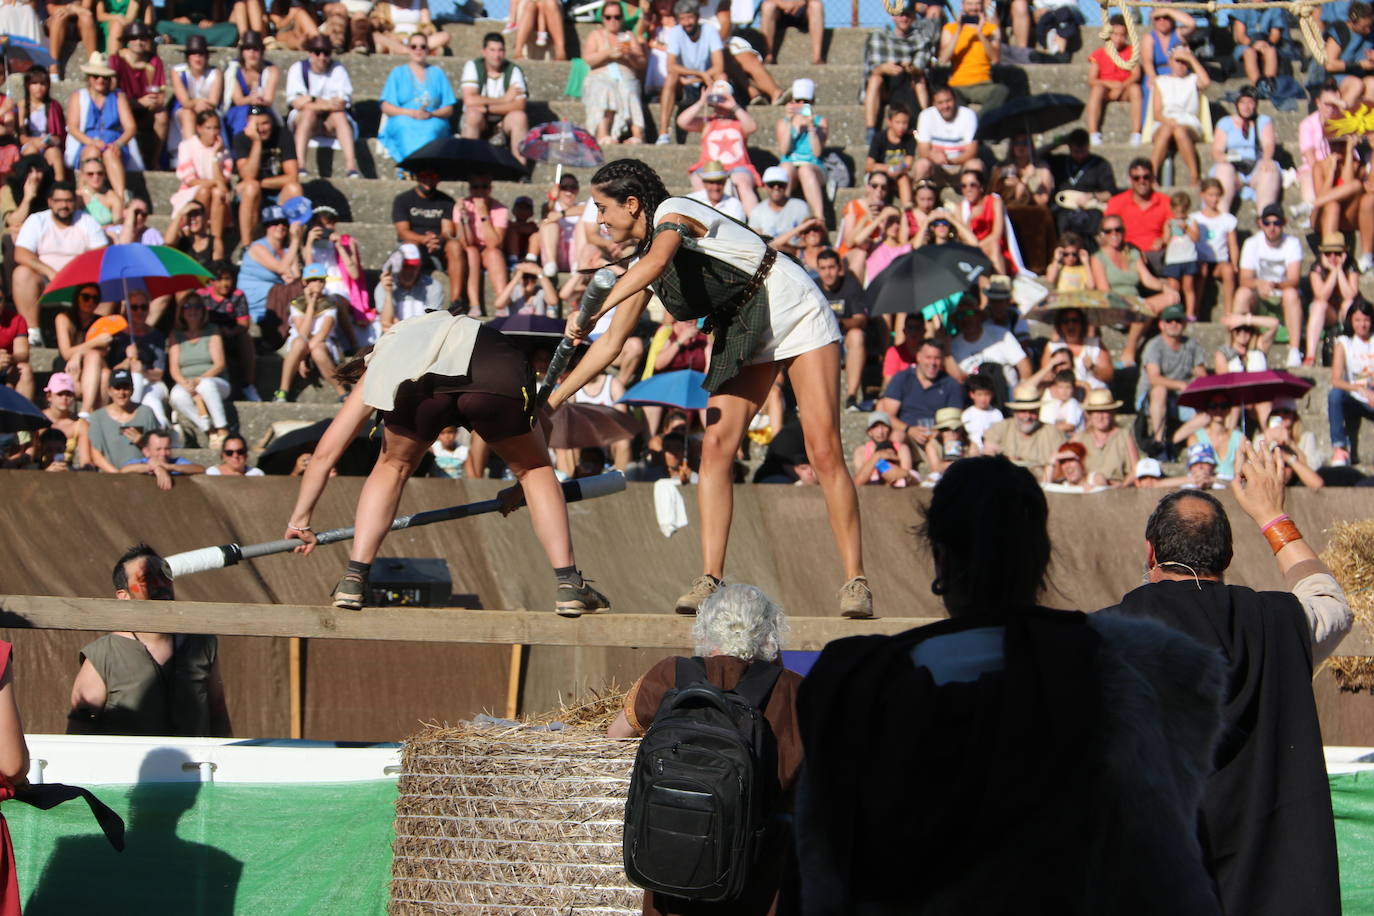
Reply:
x=425 y=374
x=766 y=313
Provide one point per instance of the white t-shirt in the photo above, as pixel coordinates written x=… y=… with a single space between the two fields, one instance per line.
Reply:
x=1214 y=236
x=1070 y=411
x=978 y=421
x=1270 y=263
x=55 y=245
x=728 y=205
x=492 y=87
x=994 y=345
x=950 y=136
x=693 y=55
x=334 y=83
x=764 y=220
x=213 y=471
x=1359 y=359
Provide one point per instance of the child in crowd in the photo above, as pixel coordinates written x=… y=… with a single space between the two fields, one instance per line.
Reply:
x=450 y=450
x=895 y=243
x=522 y=235
x=227 y=309
x=893 y=151
x=1180 y=254
x=1059 y=407
x=980 y=417
x=1218 y=250
x=1069 y=271
x=1335 y=286
x=949 y=444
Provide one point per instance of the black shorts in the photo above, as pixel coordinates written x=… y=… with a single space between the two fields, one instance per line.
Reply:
x=495 y=399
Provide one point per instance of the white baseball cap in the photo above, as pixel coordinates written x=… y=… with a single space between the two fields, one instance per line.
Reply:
x=1148 y=467
x=775 y=174
x=804 y=89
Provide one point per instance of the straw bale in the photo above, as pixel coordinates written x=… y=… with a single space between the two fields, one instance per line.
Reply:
x=515 y=818
x=1350 y=555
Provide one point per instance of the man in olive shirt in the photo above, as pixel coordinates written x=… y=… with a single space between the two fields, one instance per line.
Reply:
x=116 y=428
x=1022 y=437
x=140 y=683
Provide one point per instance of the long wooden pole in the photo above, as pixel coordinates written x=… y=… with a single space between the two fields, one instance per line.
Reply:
x=297 y=695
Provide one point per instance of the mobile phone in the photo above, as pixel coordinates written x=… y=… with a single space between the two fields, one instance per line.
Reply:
x=967 y=19
x=805 y=111
x=883 y=466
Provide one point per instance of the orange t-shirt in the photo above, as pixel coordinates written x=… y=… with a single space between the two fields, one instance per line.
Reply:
x=971 y=63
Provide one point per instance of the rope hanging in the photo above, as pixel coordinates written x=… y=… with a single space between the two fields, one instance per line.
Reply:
x=1302 y=10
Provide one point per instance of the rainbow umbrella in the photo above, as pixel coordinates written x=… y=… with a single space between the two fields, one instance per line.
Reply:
x=121 y=269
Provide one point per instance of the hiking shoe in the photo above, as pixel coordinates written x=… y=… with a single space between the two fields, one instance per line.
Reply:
x=348 y=594
x=576 y=600
x=856 y=598
x=279 y=396
x=703 y=587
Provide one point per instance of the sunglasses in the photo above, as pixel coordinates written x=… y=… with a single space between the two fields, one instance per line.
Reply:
x=777 y=184
x=1217 y=405
x=87 y=297
x=1171 y=321
x=1071 y=320
x=1112 y=230
x=616 y=18
x=941 y=222
x=878 y=185
x=234 y=451
x=970 y=184
x=138 y=308
x=419 y=47
x=1271 y=222
x=320 y=53
x=1145 y=176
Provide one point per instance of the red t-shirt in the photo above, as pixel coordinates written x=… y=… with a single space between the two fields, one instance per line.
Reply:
x=1107 y=68
x=12 y=325
x=1144 y=227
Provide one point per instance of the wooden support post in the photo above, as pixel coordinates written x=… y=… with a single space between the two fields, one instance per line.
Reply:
x=517 y=671
x=296 y=688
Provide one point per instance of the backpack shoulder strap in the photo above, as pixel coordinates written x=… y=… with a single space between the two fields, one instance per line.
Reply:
x=690 y=671
x=757 y=684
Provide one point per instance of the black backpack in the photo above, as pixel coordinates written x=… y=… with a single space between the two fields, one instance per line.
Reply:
x=704 y=787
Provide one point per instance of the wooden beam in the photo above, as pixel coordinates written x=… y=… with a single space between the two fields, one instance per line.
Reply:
x=536 y=628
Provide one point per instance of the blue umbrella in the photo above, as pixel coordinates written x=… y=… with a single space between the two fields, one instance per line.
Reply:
x=670 y=389
x=17 y=49
x=18 y=412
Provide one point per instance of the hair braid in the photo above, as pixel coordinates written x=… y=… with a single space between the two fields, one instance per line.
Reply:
x=626 y=178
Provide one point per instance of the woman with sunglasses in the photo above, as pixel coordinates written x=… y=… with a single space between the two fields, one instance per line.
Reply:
x=1352 y=379
x=418 y=102
x=188 y=231
x=144 y=356
x=1344 y=202
x=1092 y=364
x=766 y=313
x=611 y=93
x=233 y=455
x=940 y=227
x=860 y=230
x=42 y=124
x=986 y=216
x=1249 y=338
x=96 y=197
x=100 y=123
x=1335 y=287
x=252 y=80
x=195 y=363
x=1119 y=268
x=83 y=357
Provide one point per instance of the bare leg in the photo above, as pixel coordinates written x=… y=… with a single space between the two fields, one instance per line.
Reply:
x=382 y=493
x=343 y=131
x=1226 y=174
x=815 y=24
x=727 y=416
x=289 y=364
x=853 y=360
x=1092 y=113
x=528 y=459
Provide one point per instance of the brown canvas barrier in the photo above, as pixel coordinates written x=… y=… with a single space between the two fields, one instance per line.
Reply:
x=60 y=534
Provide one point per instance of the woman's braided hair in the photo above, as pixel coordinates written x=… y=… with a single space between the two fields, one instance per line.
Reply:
x=626 y=178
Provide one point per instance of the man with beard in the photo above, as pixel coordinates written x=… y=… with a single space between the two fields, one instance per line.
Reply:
x=1023 y=438
x=136 y=683
x=47 y=242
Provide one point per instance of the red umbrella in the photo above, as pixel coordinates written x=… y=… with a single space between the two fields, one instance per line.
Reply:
x=1242 y=388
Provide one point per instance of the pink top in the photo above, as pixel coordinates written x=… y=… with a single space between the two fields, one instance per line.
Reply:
x=723 y=140
x=894 y=362
x=500 y=216
x=1312 y=139
x=882 y=256
x=196 y=162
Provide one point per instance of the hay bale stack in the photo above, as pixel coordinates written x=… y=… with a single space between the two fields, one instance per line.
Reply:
x=513 y=819
x=1350 y=555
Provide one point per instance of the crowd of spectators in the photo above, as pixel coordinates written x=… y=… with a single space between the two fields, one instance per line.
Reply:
x=1049 y=219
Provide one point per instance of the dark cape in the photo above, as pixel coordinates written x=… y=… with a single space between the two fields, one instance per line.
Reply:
x=1069 y=782
x=1268 y=832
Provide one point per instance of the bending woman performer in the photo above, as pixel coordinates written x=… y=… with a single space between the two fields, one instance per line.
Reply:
x=427 y=373
x=766 y=313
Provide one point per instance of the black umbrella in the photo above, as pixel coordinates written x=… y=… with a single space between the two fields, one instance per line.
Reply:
x=281 y=453
x=928 y=278
x=457 y=158
x=529 y=326
x=19 y=413
x=1031 y=114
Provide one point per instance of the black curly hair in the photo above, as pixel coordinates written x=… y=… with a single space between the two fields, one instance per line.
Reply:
x=625 y=178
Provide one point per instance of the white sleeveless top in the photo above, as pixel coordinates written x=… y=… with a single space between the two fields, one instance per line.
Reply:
x=1359 y=360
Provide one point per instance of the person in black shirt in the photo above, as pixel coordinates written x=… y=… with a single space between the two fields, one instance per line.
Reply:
x=893 y=151
x=846 y=298
x=423 y=217
x=265 y=157
x=1082 y=171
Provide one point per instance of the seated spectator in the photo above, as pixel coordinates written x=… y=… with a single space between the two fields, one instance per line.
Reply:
x=1143 y=210
x=1284 y=433
x=396 y=23
x=1180 y=253
x=265 y=159
x=114 y=430
x=188 y=231
x=494 y=94
x=725 y=130
x=981 y=348
x=1022 y=437
x=880 y=460
x=1348 y=57
x=804 y=15
x=195 y=362
x=42 y=125
x=197 y=87
x=1313 y=147
x=203 y=167
x=950 y=443
x=1070 y=270
x=418 y=102
x=860 y=228
x=233 y=459
x=612 y=93
x=744 y=67
x=60 y=394
x=1342 y=203
x=1058 y=25
x=713 y=177
x=970 y=47
x=1083 y=184
x=1169 y=29
x=1059 y=406
x=1202 y=469
x=734 y=628
x=320 y=94
x=695 y=57
x=141 y=350
x=847 y=302
x=117 y=691
x=100 y=122
x=347 y=283
x=1243 y=152
x=893 y=151
x=15 y=370
x=1120 y=268
x=1335 y=287
x=83 y=354
x=801 y=136
x=1108 y=81
x=178 y=20
x=1022 y=180
x=529 y=292
x=559 y=240
x=1170 y=361
x=142 y=79
x=1092 y=364
x=1352 y=380
x=61 y=16
x=227 y=309
x=252 y=82
x=450 y=451
x=902 y=354
x=1109 y=452
x=311 y=340
x=1213 y=228
x=986 y=216
x=1176 y=99
x=1270 y=275
x=272 y=259
x=550 y=16
x=1066 y=472
x=813 y=240
x=423 y=218
x=522 y=235
x=1247 y=348
x=1000 y=311
x=1212 y=428
x=405 y=290
x=913 y=395
x=1257 y=35
x=946 y=140
x=777 y=213
x=980 y=415
x=481 y=223
x=940 y=227
x=893 y=242
x=95 y=196
x=895 y=61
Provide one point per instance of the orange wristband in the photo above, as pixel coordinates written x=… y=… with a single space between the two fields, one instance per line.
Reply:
x=1282 y=534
